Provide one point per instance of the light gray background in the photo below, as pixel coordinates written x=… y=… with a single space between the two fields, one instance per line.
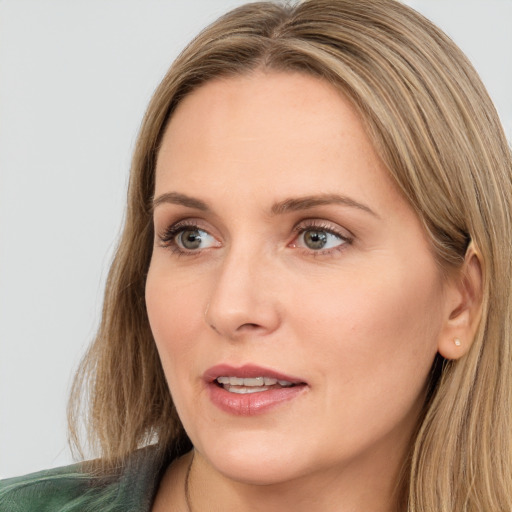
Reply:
x=75 y=78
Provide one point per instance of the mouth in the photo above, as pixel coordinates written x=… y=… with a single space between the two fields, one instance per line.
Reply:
x=251 y=384
x=250 y=389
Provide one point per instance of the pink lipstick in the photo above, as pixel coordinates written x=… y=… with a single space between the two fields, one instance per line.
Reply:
x=250 y=389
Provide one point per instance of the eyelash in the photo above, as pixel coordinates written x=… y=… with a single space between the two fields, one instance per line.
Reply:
x=322 y=226
x=167 y=238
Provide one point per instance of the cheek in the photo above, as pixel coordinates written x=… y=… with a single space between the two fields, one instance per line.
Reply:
x=375 y=308
x=376 y=336
x=175 y=312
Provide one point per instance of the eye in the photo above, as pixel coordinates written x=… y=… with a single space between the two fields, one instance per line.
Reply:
x=187 y=238
x=319 y=238
x=195 y=238
x=314 y=239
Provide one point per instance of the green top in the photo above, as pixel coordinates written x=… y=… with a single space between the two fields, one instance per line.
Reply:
x=68 y=489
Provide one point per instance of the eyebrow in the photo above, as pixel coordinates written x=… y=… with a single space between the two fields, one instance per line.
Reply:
x=307 y=202
x=181 y=199
x=280 y=208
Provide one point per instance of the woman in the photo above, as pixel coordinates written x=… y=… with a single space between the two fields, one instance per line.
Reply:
x=310 y=306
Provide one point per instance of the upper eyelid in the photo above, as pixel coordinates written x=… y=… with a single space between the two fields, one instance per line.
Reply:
x=302 y=225
x=191 y=223
x=322 y=224
x=173 y=229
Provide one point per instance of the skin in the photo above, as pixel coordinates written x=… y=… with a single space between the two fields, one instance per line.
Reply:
x=360 y=322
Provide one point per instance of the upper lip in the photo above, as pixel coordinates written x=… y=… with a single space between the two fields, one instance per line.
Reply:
x=247 y=371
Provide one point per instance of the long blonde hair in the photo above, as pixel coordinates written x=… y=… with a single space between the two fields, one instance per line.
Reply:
x=438 y=133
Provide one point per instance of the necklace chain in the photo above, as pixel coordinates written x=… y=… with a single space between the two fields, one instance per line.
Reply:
x=187 y=486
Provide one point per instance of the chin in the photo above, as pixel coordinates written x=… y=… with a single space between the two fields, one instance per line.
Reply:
x=256 y=472
x=256 y=461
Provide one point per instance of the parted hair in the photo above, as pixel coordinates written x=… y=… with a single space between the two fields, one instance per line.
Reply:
x=437 y=132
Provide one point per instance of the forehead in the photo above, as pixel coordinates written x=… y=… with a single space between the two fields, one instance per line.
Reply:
x=243 y=96
x=267 y=130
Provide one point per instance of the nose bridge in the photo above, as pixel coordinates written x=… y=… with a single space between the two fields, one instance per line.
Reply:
x=242 y=299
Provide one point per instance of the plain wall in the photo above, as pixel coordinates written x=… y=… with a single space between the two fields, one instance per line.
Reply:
x=75 y=79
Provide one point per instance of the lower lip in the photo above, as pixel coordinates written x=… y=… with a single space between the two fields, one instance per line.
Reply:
x=250 y=404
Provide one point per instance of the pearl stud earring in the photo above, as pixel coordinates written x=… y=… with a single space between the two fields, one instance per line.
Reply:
x=457 y=342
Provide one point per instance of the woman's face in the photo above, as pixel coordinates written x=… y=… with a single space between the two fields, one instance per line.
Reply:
x=284 y=252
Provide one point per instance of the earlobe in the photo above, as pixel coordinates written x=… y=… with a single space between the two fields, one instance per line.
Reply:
x=464 y=307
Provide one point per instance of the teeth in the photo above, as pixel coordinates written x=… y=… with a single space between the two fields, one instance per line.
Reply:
x=252 y=382
x=258 y=381
x=243 y=390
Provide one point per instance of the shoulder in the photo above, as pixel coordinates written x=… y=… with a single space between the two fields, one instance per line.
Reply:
x=71 y=489
x=44 y=491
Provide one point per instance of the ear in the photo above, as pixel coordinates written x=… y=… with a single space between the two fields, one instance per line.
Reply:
x=463 y=307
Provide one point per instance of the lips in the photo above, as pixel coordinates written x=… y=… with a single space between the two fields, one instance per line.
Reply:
x=250 y=389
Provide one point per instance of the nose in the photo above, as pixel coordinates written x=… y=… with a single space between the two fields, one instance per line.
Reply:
x=244 y=299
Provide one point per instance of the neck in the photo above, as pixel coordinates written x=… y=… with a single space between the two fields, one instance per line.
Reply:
x=370 y=481
x=352 y=488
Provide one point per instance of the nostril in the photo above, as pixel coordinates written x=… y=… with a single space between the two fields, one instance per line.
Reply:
x=248 y=327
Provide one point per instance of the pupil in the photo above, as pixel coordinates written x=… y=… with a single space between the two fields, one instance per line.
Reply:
x=191 y=239
x=315 y=239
